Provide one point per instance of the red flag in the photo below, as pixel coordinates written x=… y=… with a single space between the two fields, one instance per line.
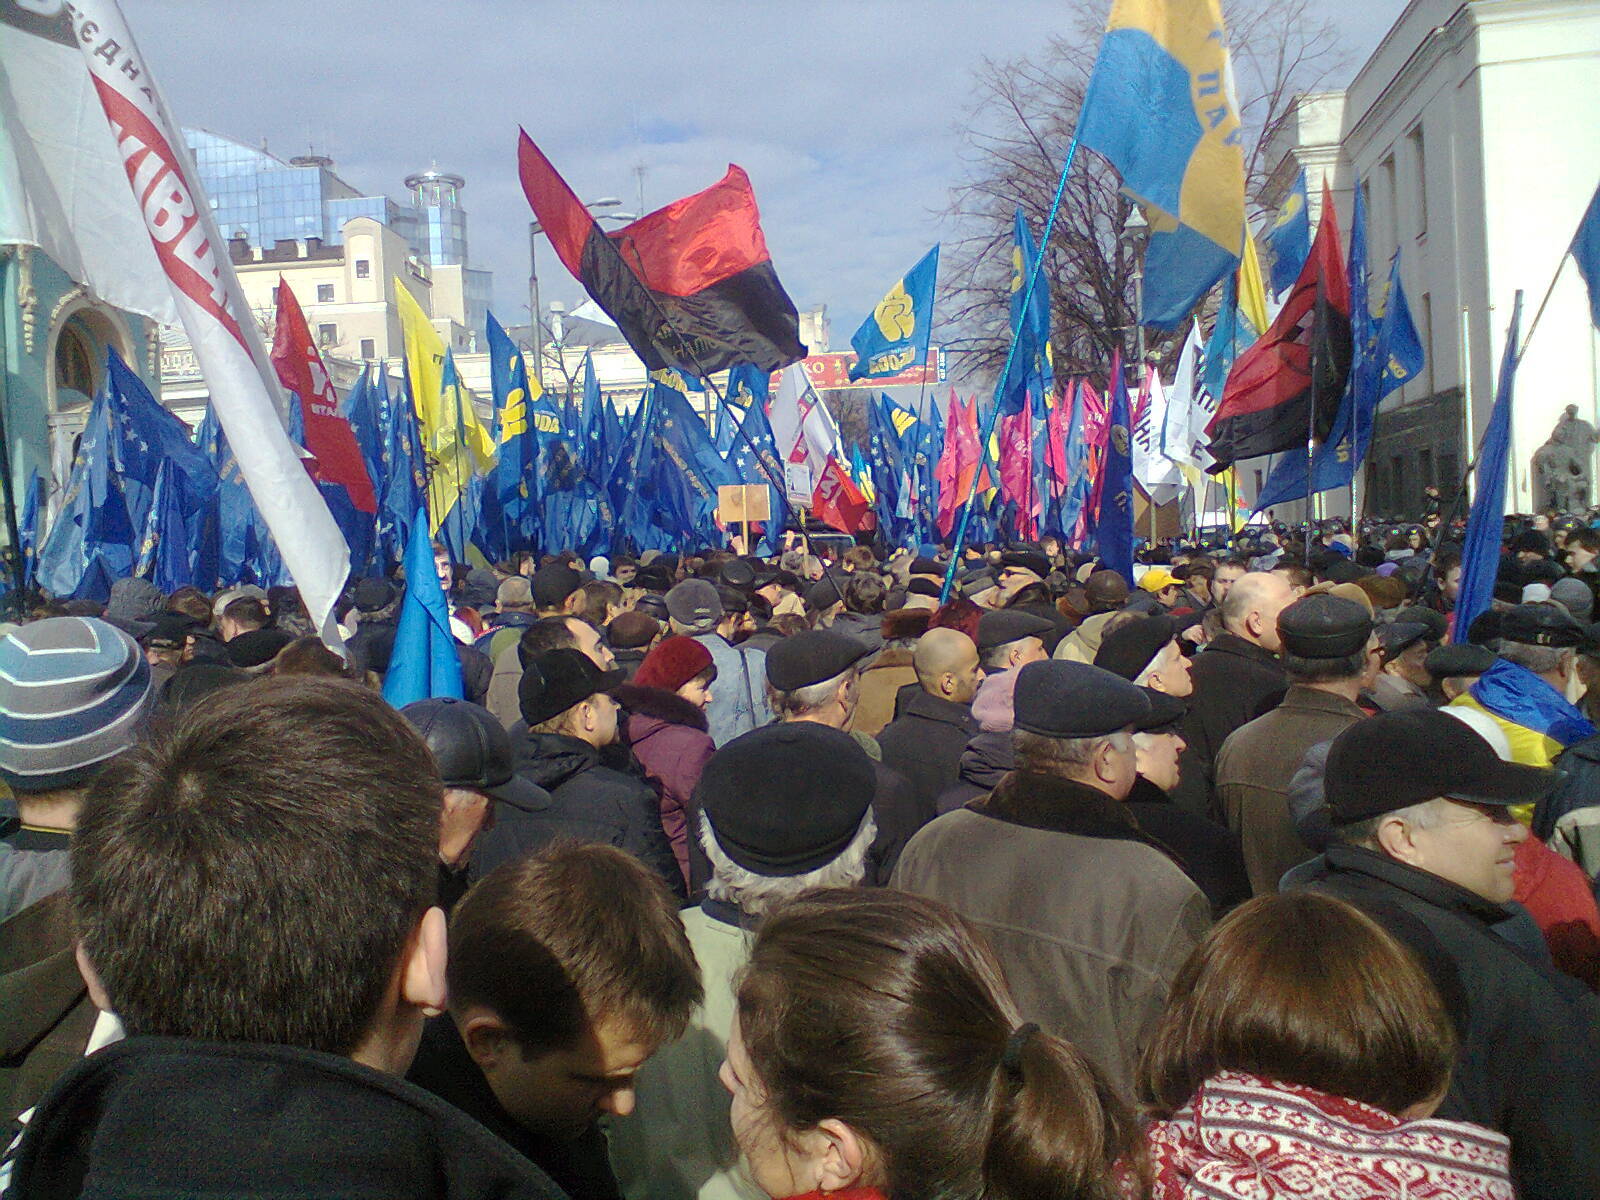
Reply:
x=837 y=500
x=329 y=438
x=1016 y=467
x=1058 y=423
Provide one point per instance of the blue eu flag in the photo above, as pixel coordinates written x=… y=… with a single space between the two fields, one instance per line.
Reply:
x=1114 y=527
x=1480 y=552
x=895 y=335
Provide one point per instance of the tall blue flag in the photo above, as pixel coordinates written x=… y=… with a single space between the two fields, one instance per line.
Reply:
x=1030 y=327
x=92 y=524
x=28 y=527
x=930 y=449
x=424 y=663
x=1290 y=237
x=1480 y=551
x=1158 y=108
x=148 y=436
x=164 y=556
x=1114 y=526
x=755 y=457
x=895 y=336
x=686 y=468
x=407 y=482
x=1586 y=251
x=515 y=480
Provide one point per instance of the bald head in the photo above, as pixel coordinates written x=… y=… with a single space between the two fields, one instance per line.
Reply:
x=946 y=663
x=1252 y=607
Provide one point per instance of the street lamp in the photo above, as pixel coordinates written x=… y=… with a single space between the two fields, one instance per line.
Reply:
x=534 y=230
x=1135 y=236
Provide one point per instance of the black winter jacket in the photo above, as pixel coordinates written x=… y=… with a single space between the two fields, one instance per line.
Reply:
x=589 y=802
x=924 y=743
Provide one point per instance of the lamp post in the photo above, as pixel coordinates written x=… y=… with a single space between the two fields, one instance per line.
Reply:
x=534 y=230
x=1135 y=236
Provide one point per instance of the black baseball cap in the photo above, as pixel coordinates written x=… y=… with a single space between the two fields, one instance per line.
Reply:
x=1400 y=758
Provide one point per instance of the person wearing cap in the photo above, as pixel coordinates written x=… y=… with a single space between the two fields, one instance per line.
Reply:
x=927 y=738
x=1105 y=592
x=1403 y=680
x=782 y=590
x=1425 y=845
x=739 y=704
x=815 y=677
x=568 y=969
x=666 y=729
x=1090 y=918
x=1237 y=677
x=1161 y=588
x=779 y=811
x=513 y=613
x=1456 y=667
x=1009 y=639
x=75 y=694
x=572 y=717
x=1524 y=690
x=547 y=633
x=1020 y=569
x=1330 y=652
x=630 y=636
x=491 y=814
x=555 y=589
x=1145 y=651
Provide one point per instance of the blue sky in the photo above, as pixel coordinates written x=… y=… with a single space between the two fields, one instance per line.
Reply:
x=846 y=114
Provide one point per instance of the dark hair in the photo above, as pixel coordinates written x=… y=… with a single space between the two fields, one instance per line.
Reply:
x=191 y=602
x=555 y=941
x=861 y=558
x=1302 y=988
x=864 y=594
x=598 y=595
x=788 y=624
x=543 y=636
x=958 y=613
x=1323 y=670
x=887 y=1012
x=308 y=656
x=1588 y=538
x=247 y=611
x=255 y=872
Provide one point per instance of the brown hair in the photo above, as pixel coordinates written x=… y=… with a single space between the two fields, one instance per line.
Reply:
x=558 y=940
x=308 y=656
x=1302 y=988
x=247 y=611
x=255 y=873
x=191 y=602
x=887 y=1012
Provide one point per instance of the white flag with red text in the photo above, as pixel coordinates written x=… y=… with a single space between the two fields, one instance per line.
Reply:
x=808 y=444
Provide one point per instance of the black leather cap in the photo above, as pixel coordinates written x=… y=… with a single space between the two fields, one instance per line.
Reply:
x=1399 y=636
x=812 y=656
x=472 y=750
x=1027 y=560
x=1540 y=625
x=1065 y=699
x=1323 y=626
x=1458 y=659
x=557 y=680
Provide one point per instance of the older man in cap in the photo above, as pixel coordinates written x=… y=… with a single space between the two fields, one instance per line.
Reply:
x=1090 y=918
x=739 y=703
x=1330 y=652
x=1525 y=689
x=1421 y=806
x=785 y=808
x=1403 y=680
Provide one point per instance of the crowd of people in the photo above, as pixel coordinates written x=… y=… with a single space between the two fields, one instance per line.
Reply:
x=817 y=874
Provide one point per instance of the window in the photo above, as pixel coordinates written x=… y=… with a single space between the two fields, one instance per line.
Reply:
x=1425 y=466
x=274 y=297
x=1427 y=337
x=1390 y=216
x=369 y=348
x=324 y=293
x=1419 y=161
x=363 y=268
x=1397 y=484
x=327 y=335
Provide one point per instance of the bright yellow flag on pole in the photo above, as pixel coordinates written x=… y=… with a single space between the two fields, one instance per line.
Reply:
x=1252 y=292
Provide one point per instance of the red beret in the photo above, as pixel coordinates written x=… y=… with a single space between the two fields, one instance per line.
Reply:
x=673 y=663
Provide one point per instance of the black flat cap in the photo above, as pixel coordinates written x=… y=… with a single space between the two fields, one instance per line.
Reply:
x=1324 y=627
x=1540 y=625
x=786 y=799
x=923 y=587
x=1485 y=627
x=1400 y=758
x=472 y=750
x=1027 y=560
x=170 y=630
x=1166 y=712
x=925 y=566
x=812 y=656
x=256 y=648
x=1399 y=636
x=1438 y=624
x=557 y=680
x=1131 y=647
x=1060 y=698
x=736 y=573
x=552 y=584
x=823 y=594
x=1002 y=625
x=372 y=594
x=1462 y=658
x=974 y=583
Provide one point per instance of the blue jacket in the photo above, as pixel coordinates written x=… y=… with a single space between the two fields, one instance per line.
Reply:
x=739 y=696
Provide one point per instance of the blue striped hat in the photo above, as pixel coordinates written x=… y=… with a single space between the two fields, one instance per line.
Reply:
x=74 y=693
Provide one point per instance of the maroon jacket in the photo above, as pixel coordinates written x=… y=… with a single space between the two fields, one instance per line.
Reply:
x=669 y=738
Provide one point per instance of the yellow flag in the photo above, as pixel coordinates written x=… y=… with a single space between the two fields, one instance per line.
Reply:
x=1252 y=293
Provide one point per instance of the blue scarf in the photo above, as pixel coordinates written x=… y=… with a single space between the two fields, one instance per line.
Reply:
x=1517 y=695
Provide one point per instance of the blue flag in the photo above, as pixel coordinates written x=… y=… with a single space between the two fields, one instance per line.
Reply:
x=755 y=458
x=28 y=527
x=1480 y=551
x=1030 y=328
x=685 y=469
x=891 y=477
x=515 y=480
x=92 y=524
x=1114 y=523
x=896 y=335
x=1158 y=108
x=1586 y=251
x=1290 y=236
x=1228 y=337
x=455 y=531
x=424 y=663
x=407 y=481
x=164 y=556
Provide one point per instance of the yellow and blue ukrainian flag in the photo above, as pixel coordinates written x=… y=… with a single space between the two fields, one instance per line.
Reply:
x=1160 y=108
x=895 y=335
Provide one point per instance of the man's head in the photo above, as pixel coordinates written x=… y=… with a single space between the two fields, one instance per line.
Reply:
x=1424 y=789
x=946 y=663
x=514 y=595
x=1583 y=547
x=1457 y=666
x=1228 y=572
x=1325 y=639
x=1077 y=722
x=1253 y=603
x=1162 y=584
x=694 y=606
x=812 y=676
x=443 y=568
x=568 y=969
x=555 y=588
x=1106 y=591
x=264 y=871
x=564 y=692
x=784 y=808
x=1405 y=652
x=75 y=692
x=1158 y=749
x=244 y=615
x=1009 y=638
x=1145 y=651
x=1543 y=638
x=564 y=633
x=1018 y=569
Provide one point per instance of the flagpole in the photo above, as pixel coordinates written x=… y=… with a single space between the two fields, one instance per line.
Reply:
x=13 y=554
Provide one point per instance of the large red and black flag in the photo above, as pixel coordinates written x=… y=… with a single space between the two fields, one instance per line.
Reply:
x=1289 y=383
x=690 y=285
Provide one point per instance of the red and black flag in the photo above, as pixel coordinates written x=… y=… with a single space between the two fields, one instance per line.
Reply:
x=1289 y=383
x=690 y=285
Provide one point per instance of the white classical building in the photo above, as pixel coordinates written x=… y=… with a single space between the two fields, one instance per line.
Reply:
x=1474 y=133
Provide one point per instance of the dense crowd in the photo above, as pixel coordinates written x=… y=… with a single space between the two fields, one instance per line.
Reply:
x=818 y=874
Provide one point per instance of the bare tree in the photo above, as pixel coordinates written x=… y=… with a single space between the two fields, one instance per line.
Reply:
x=1018 y=127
